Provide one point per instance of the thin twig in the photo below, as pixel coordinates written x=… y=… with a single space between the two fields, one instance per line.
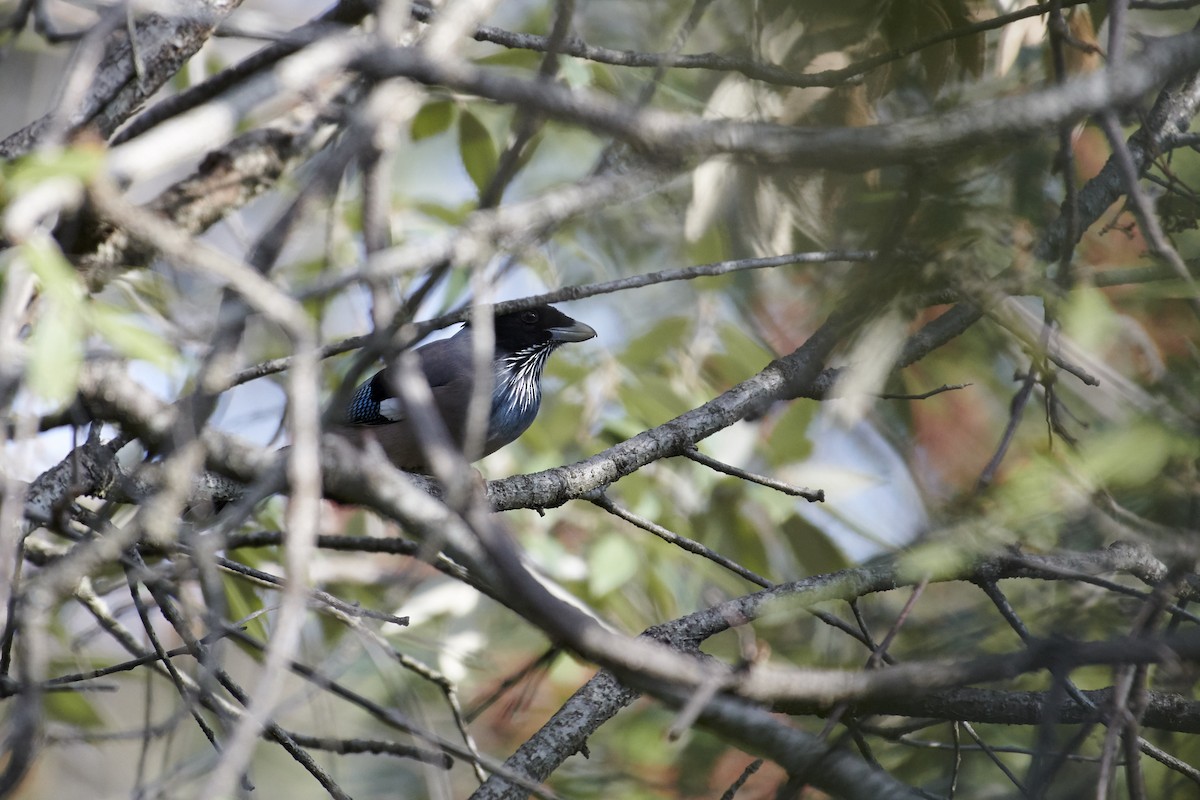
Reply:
x=947 y=387
x=603 y=501
x=812 y=496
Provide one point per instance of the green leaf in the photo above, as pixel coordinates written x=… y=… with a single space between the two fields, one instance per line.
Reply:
x=1135 y=455
x=612 y=562
x=603 y=78
x=56 y=344
x=432 y=119
x=525 y=59
x=935 y=559
x=271 y=515
x=741 y=356
x=477 y=149
x=813 y=547
x=446 y=214
x=73 y=709
x=143 y=288
x=47 y=262
x=74 y=162
x=787 y=440
x=457 y=282
x=1087 y=316
x=710 y=248
x=55 y=355
x=245 y=607
x=653 y=399
x=129 y=338
x=908 y=22
x=531 y=147
x=649 y=349
x=575 y=72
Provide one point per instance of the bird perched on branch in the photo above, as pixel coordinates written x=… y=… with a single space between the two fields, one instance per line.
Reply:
x=523 y=342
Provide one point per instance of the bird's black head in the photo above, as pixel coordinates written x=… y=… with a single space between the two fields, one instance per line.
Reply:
x=542 y=326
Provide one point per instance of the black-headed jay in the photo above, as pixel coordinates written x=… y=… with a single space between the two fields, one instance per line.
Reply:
x=523 y=342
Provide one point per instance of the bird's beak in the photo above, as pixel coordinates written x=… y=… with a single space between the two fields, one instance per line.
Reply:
x=575 y=332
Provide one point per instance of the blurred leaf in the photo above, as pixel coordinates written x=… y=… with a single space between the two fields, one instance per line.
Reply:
x=557 y=434
x=1088 y=318
x=653 y=395
x=245 y=607
x=906 y=22
x=446 y=214
x=146 y=288
x=575 y=72
x=351 y=213
x=531 y=147
x=80 y=162
x=58 y=278
x=620 y=429
x=56 y=344
x=129 y=338
x=553 y=558
x=433 y=118
x=813 y=548
x=741 y=356
x=652 y=400
x=1083 y=54
x=457 y=282
x=269 y=515
x=731 y=524
x=527 y=59
x=1179 y=213
x=477 y=149
x=653 y=346
x=55 y=355
x=1134 y=455
x=933 y=560
x=709 y=246
x=612 y=561
x=787 y=440
x=603 y=77
x=871 y=359
x=72 y=708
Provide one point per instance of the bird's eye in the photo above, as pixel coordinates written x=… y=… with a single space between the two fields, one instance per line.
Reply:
x=529 y=317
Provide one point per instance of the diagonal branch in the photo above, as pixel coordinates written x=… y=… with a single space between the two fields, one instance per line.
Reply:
x=129 y=72
x=669 y=136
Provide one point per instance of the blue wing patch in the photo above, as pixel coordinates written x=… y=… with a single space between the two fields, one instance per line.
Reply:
x=364 y=406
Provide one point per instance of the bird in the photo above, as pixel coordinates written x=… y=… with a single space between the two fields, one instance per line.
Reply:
x=523 y=342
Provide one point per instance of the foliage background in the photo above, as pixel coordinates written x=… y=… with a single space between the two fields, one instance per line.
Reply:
x=358 y=170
